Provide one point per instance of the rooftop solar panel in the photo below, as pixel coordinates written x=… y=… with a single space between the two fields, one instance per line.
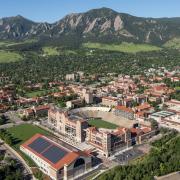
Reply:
x=54 y=154
x=39 y=145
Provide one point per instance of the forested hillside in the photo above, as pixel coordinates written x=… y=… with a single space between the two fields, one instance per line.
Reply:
x=164 y=158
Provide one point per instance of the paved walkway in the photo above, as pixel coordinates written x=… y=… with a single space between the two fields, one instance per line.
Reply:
x=172 y=176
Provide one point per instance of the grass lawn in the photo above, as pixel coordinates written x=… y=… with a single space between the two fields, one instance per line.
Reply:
x=102 y=124
x=34 y=93
x=6 y=56
x=123 y=47
x=21 y=134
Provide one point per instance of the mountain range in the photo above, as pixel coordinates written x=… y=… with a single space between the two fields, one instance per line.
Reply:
x=102 y=24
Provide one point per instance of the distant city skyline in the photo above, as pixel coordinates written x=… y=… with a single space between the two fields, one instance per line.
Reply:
x=53 y=10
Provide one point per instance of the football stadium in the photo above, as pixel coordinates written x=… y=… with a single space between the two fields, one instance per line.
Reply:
x=76 y=125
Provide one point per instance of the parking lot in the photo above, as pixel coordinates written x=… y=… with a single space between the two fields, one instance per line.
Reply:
x=126 y=156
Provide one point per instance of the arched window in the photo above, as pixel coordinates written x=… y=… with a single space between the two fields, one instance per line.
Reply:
x=79 y=162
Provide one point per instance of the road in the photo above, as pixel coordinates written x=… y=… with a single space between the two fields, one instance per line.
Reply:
x=13 y=116
x=15 y=120
x=5 y=126
x=89 y=174
x=20 y=159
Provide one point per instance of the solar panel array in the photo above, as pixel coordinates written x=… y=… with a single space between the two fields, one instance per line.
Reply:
x=47 y=149
x=54 y=154
x=39 y=145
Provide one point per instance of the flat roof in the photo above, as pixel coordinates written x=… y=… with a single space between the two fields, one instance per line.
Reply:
x=50 y=151
x=162 y=114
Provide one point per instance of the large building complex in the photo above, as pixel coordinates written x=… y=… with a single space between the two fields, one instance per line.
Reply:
x=70 y=126
x=55 y=160
x=110 y=101
x=74 y=125
x=108 y=142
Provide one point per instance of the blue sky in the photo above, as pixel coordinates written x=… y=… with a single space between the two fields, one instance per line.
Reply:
x=53 y=10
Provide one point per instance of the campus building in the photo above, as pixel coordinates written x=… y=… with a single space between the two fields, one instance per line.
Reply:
x=124 y=112
x=88 y=97
x=139 y=135
x=108 y=142
x=38 y=111
x=74 y=125
x=110 y=101
x=167 y=119
x=74 y=103
x=68 y=125
x=58 y=162
x=70 y=77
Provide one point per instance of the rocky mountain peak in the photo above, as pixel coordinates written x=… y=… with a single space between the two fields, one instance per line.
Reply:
x=102 y=24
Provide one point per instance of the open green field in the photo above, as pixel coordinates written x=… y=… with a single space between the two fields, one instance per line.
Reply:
x=21 y=134
x=12 y=43
x=123 y=47
x=24 y=132
x=54 y=51
x=102 y=124
x=50 y=51
x=6 y=56
x=173 y=43
x=37 y=93
x=3 y=43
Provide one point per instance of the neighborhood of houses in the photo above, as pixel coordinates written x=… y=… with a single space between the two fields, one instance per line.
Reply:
x=77 y=112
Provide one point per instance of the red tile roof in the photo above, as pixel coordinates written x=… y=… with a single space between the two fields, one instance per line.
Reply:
x=110 y=98
x=123 y=108
x=143 y=106
x=140 y=113
x=43 y=107
x=146 y=130
x=120 y=131
x=67 y=159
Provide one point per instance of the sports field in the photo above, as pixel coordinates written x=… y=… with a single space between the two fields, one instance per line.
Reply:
x=25 y=131
x=21 y=134
x=102 y=124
